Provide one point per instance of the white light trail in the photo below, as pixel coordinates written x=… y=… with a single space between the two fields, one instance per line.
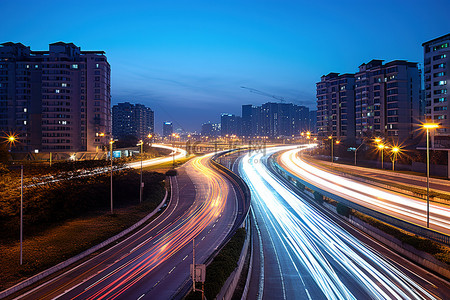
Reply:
x=406 y=208
x=321 y=247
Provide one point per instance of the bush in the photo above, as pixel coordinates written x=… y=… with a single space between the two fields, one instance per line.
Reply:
x=343 y=209
x=171 y=172
x=318 y=197
x=222 y=266
x=58 y=201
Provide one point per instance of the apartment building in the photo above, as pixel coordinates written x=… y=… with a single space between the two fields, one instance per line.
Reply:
x=55 y=100
x=437 y=80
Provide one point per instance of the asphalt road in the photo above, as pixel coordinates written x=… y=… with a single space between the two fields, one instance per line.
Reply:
x=301 y=252
x=439 y=185
x=154 y=262
x=407 y=208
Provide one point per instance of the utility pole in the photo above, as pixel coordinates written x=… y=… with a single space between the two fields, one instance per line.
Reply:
x=193 y=265
x=141 y=184
x=21 y=211
x=50 y=159
x=111 y=142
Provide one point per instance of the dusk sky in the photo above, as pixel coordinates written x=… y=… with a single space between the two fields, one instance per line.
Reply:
x=187 y=59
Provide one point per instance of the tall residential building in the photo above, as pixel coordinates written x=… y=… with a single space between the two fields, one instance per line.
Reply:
x=336 y=107
x=210 y=129
x=251 y=120
x=387 y=100
x=313 y=121
x=381 y=100
x=56 y=100
x=437 y=80
x=274 y=119
x=167 y=129
x=132 y=119
x=230 y=124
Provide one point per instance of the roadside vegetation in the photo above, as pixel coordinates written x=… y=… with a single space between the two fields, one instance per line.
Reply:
x=437 y=250
x=218 y=271
x=64 y=218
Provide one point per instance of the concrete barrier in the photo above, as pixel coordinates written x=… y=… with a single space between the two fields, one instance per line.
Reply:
x=420 y=257
x=82 y=255
x=230 y=284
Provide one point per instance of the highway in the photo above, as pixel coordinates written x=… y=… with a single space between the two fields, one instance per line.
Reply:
x=301 y=252
x=154 y=262
x=403 y=207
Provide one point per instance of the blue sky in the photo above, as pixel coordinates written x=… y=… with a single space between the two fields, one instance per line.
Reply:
x=187 y=59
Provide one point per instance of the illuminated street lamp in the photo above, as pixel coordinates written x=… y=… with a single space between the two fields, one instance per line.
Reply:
x=111 y=142
x=428 y=126
x=395 y=150
x=331 y=138
x=381 y=147
x=141 y=185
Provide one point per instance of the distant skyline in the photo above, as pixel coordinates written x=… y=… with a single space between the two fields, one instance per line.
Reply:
x=188 y=59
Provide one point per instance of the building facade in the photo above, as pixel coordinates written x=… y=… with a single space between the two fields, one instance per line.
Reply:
x=132 y=119
x=336 y=107
x=387 y=98
x=273 y=119
x=437 y=80
x=56 y=100
x=230 y=124
x=380 y=100
x=167 y=129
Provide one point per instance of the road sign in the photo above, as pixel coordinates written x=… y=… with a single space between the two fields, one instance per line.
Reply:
x=200 y=272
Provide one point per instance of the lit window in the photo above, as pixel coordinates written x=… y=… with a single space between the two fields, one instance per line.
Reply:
x=64 y=84
x=57 y=91
x=24 y=122
x=24 y=110
x=96 y=66
x=74 y=66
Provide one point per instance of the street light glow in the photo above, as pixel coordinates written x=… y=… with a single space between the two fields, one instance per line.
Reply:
x=430 y=125
x=378 y=140
x=395 y=149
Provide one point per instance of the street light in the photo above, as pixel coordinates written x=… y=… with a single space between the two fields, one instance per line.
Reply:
x=331 y=138
x=111 y=142
x=395 y=150
x=381 y=147
x=141 y=185
x=428 y=126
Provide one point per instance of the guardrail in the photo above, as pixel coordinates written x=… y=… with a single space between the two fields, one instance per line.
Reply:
x=244 y=193
x=402 y=224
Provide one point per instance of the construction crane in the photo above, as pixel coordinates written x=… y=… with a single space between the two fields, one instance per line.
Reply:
x=279 y=98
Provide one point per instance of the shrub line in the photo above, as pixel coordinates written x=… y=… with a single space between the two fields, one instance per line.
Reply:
x=82 y=255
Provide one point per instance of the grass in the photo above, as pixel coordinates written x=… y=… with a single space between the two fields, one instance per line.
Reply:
x=70 y=236
x=437 y=250
x=218 y=271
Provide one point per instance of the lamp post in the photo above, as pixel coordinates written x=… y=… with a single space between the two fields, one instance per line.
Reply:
x=111 y=142
x=141 y=143
x=428 y=126
x=331 y=138
x=381 y=147
x=21 y=212
x=395 y=150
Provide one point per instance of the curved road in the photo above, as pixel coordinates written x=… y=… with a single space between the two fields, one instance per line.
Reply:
x=301 y=252
x=154 y=262
x=403 y=207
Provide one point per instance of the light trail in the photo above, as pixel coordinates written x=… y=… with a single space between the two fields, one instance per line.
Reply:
x=330 y=262
x=129 y=271
x=177 y=153
x=403 y=207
